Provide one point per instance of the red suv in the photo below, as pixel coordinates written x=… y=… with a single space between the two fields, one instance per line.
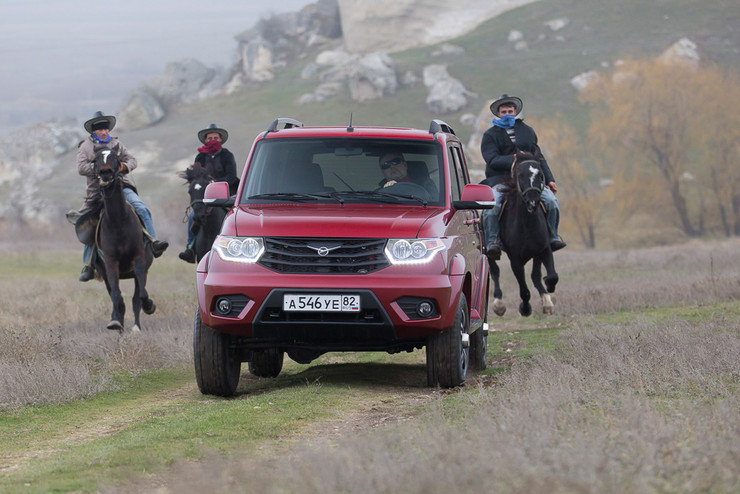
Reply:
x=345 y=239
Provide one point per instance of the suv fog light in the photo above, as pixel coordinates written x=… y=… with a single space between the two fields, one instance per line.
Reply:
x=223 y=305
x=425 y=308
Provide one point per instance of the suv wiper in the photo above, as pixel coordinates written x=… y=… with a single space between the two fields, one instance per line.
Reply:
x=287 y=196
x=384 y=196
x=405 y=196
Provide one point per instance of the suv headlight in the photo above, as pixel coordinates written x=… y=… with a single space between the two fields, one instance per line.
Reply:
x=412 y=251
x=239 y=249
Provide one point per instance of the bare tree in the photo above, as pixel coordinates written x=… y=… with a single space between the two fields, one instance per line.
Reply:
x=674 y=127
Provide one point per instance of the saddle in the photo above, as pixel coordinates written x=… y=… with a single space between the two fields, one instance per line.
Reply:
x=87 y=224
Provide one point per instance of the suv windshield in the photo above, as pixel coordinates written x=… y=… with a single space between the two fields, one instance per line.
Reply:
x=357 y=170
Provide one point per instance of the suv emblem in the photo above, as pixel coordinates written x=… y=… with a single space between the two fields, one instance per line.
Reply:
x=323 y=250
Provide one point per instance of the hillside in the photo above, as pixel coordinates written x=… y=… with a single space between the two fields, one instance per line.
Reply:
x=596 y=34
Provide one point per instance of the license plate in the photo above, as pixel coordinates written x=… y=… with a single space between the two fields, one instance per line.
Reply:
x=321 y=303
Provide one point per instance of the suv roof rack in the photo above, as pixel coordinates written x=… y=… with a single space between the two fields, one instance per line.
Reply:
x=287 y=123
x=440 y=126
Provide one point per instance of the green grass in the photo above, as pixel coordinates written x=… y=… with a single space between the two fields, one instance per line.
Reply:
x=151 y=433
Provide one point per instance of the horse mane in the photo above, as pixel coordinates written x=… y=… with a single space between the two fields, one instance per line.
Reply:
x=193 y=172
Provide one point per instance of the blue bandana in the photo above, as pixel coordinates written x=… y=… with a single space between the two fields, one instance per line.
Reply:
x=505 y=122
x=99 y=140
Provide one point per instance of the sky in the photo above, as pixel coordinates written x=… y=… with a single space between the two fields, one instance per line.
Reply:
x=70 y=58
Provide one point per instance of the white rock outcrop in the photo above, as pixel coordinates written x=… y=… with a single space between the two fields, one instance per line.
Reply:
x=395 y=25
x=446 y=94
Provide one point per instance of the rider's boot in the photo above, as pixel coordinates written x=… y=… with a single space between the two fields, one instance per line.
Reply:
x=491 y=234
x=188 y=255
x=159 y=246
x=87 y=273
x=553 y=219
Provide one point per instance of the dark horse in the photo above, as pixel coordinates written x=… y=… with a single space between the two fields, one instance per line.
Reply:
x=206 y=219
x=121 y=241
x=525 y=235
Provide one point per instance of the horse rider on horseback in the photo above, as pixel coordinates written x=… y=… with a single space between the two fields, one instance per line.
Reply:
x=99 y=127
x=220 y=164
x=499 y=144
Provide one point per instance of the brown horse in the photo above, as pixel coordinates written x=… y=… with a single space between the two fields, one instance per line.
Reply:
x=124 y=253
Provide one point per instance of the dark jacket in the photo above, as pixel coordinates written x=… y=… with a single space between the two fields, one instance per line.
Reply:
x=221 y=167
x=498 y=152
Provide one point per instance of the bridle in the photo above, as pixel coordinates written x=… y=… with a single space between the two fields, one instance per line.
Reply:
x=531 y=187
x=533 y=165
x=115 y=172
x=194 y=202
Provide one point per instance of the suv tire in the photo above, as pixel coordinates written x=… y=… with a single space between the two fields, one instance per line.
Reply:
x=478 y=348
x=447 y=358
x=266 y=363
x=217 y=367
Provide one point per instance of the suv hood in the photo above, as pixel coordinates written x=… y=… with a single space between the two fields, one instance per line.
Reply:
x=349 y=221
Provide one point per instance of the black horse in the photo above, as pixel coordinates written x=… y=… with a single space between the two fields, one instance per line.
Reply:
x=206 y=219
x=525 y=236
x=120 y=240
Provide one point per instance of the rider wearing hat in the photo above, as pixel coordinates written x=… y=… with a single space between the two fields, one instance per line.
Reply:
x=221 y=167
x=499 y=144
x=99 y=127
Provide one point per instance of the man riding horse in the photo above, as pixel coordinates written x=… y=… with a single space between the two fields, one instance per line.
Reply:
x=99 y=127
x=500 y=143
x=220 y=165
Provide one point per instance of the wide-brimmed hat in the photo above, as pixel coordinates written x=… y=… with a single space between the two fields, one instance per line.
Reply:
x=211 y=129
x=506 y=99
x=98 y=118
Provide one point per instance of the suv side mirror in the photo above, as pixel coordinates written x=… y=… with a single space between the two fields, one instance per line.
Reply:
x=474 y=196
x=217 y=194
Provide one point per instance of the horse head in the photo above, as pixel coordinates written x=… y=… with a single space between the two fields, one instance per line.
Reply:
x=108 y=165
x=530 y=181
x=197 y=178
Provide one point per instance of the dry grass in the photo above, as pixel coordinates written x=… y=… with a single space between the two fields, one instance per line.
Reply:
x=597 y=282
x=55 y=347
x=621 y=404
x=635 y=408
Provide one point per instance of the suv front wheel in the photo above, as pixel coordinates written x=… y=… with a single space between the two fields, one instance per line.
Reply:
x=447 y=356
x=217 y=366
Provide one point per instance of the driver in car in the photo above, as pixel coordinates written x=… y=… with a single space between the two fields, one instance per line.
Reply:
x=394 y=168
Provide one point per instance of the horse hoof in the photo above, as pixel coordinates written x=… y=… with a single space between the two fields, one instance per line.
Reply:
x=525 y=310
x=114 y=325
x=547 y=311
x=498 y=307
x=135 y=329
x=149 y=306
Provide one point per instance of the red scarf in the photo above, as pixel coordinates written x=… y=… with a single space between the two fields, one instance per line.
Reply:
x=210 y=147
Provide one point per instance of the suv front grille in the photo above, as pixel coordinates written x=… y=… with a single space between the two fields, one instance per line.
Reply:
x=324 y=255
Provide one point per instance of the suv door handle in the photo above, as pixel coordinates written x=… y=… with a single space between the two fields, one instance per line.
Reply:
x=471 y=221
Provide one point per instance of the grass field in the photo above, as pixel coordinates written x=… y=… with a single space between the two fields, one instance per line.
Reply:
x=632 y=386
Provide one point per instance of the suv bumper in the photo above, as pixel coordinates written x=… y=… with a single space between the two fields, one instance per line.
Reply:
x=388 y=314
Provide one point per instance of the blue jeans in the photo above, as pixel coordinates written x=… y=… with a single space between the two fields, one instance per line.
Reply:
x=491 y=228
x=191 y=235
x=146 y=218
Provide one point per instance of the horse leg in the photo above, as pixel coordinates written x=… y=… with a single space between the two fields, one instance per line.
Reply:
x=552 y=276
x=114 y=290
x=547 y=303
x=141 y=297
x=498 y=304
x=525 y=309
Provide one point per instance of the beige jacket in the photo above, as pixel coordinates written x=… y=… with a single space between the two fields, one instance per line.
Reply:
x=86 y=166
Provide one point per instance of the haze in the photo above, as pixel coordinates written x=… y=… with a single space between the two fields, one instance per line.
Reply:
x=65 y=58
